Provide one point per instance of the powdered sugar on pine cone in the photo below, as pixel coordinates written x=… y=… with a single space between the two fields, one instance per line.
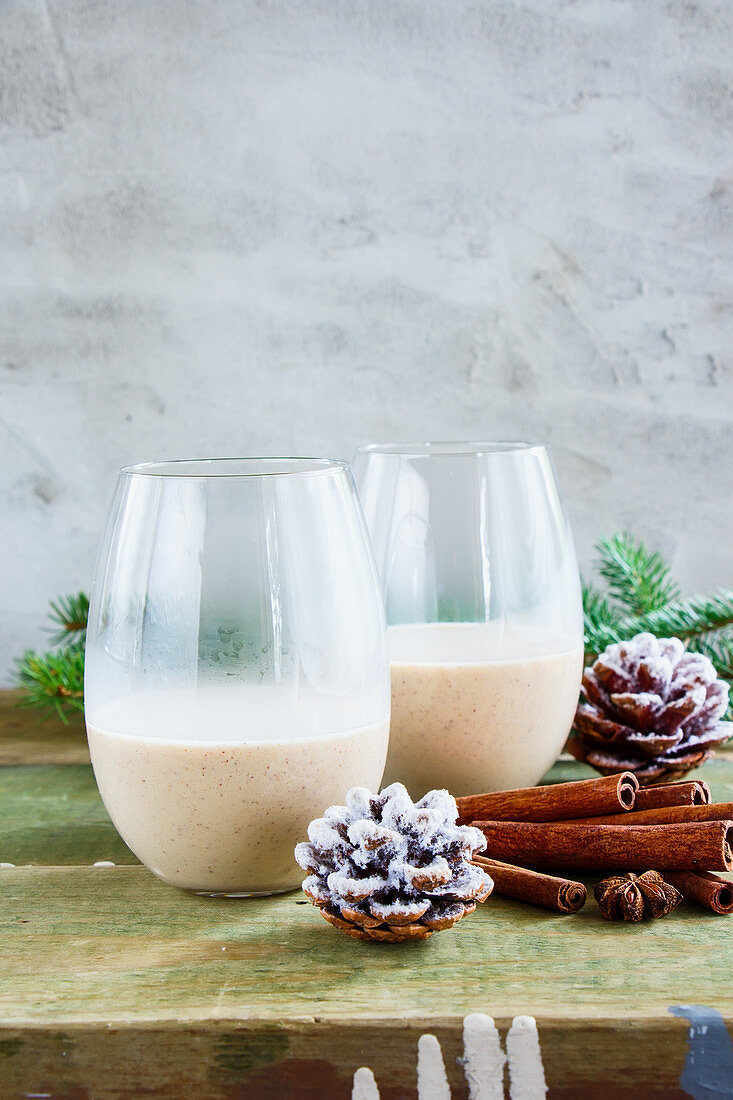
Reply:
x=384 y=868
x=652 y=707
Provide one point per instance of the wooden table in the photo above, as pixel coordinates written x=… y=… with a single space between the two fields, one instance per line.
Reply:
x=113 y=985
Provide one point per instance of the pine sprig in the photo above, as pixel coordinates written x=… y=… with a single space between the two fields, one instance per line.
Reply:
x=598 y=615
x=70 y=614
x=686 y=619
x=53 y=680
x=642 y=596
x=719 y=648
x=638 y=578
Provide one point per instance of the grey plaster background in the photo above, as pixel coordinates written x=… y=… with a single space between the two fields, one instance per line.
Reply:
x=262 y=227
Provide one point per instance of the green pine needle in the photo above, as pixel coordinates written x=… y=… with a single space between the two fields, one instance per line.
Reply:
x=685 y=618
x=597 y=616
x=719 y=648
x=596 y=607
x=599 y=636
x=53 y=680
x=70 y=614
x=638 y=578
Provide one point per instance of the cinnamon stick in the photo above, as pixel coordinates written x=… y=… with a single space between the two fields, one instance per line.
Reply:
x=665 y=815
x=561 y=894
x=689 y=846
x=710 y=891
x=611 y=794
x=687 y=793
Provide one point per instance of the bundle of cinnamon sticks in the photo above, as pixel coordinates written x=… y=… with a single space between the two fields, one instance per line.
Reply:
x=600 y=825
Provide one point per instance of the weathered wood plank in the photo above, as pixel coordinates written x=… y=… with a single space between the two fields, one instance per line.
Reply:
x=29 y=736
x=84 y=944
x=88 y=954
x=315 y=1060
x=53 y=815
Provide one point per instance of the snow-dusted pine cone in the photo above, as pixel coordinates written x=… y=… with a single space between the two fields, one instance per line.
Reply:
x=384 y=868
x=652 y=708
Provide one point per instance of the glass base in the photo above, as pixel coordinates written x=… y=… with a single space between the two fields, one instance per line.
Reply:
x=243 y=893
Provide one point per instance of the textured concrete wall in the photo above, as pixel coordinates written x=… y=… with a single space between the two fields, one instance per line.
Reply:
x=288 y=227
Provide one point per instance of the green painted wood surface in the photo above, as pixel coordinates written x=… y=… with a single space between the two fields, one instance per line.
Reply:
x=113 y=985
x=52 y=815
x=114 y=944
x=89 y=948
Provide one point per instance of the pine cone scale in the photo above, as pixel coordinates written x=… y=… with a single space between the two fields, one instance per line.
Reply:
x=639 y=709
x=592 y=689
x=590 y=720
x=680 y=711
x=611 y=678
x=715 y=736
x=448 y=917
x=357 y=916
x=605 y=731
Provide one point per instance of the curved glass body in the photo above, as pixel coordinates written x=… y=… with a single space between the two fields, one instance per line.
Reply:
x=484 y=614
x=237 y=679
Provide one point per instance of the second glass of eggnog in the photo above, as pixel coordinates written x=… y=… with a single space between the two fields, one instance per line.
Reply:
x=484 y=614
x=236 y=667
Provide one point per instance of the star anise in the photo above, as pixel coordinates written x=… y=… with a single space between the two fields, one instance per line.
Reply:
x=633 y=897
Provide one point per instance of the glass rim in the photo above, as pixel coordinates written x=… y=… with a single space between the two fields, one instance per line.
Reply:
x=457 y=449
x=205 y=468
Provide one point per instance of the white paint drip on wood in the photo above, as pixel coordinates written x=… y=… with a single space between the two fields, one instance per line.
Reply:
x=432 y=1083
x=526 y=1072
x=483 y=1064
x=365 y=1087
x=483 y=1058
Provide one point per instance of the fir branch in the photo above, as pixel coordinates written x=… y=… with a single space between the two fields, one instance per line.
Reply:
x=70 y=613
x=719 y=648
x=598 y=615
x=685 y=618
x=638 y=578
x=598 y=637
x=53 y=680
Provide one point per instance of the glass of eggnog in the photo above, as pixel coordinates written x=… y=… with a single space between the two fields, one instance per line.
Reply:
x=484 y=615
x=237 y=677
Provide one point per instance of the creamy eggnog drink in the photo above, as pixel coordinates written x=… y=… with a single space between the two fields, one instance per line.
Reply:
x=213 y=789
x=477 y=707
x=236 y=667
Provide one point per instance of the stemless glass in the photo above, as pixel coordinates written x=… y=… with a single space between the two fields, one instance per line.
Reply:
x=484 y=616
x=237 y=679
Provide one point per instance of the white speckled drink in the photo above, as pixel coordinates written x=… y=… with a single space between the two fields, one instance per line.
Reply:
x=236 y=665
x=477 y=708
x=213 y=790
x=484 y=610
